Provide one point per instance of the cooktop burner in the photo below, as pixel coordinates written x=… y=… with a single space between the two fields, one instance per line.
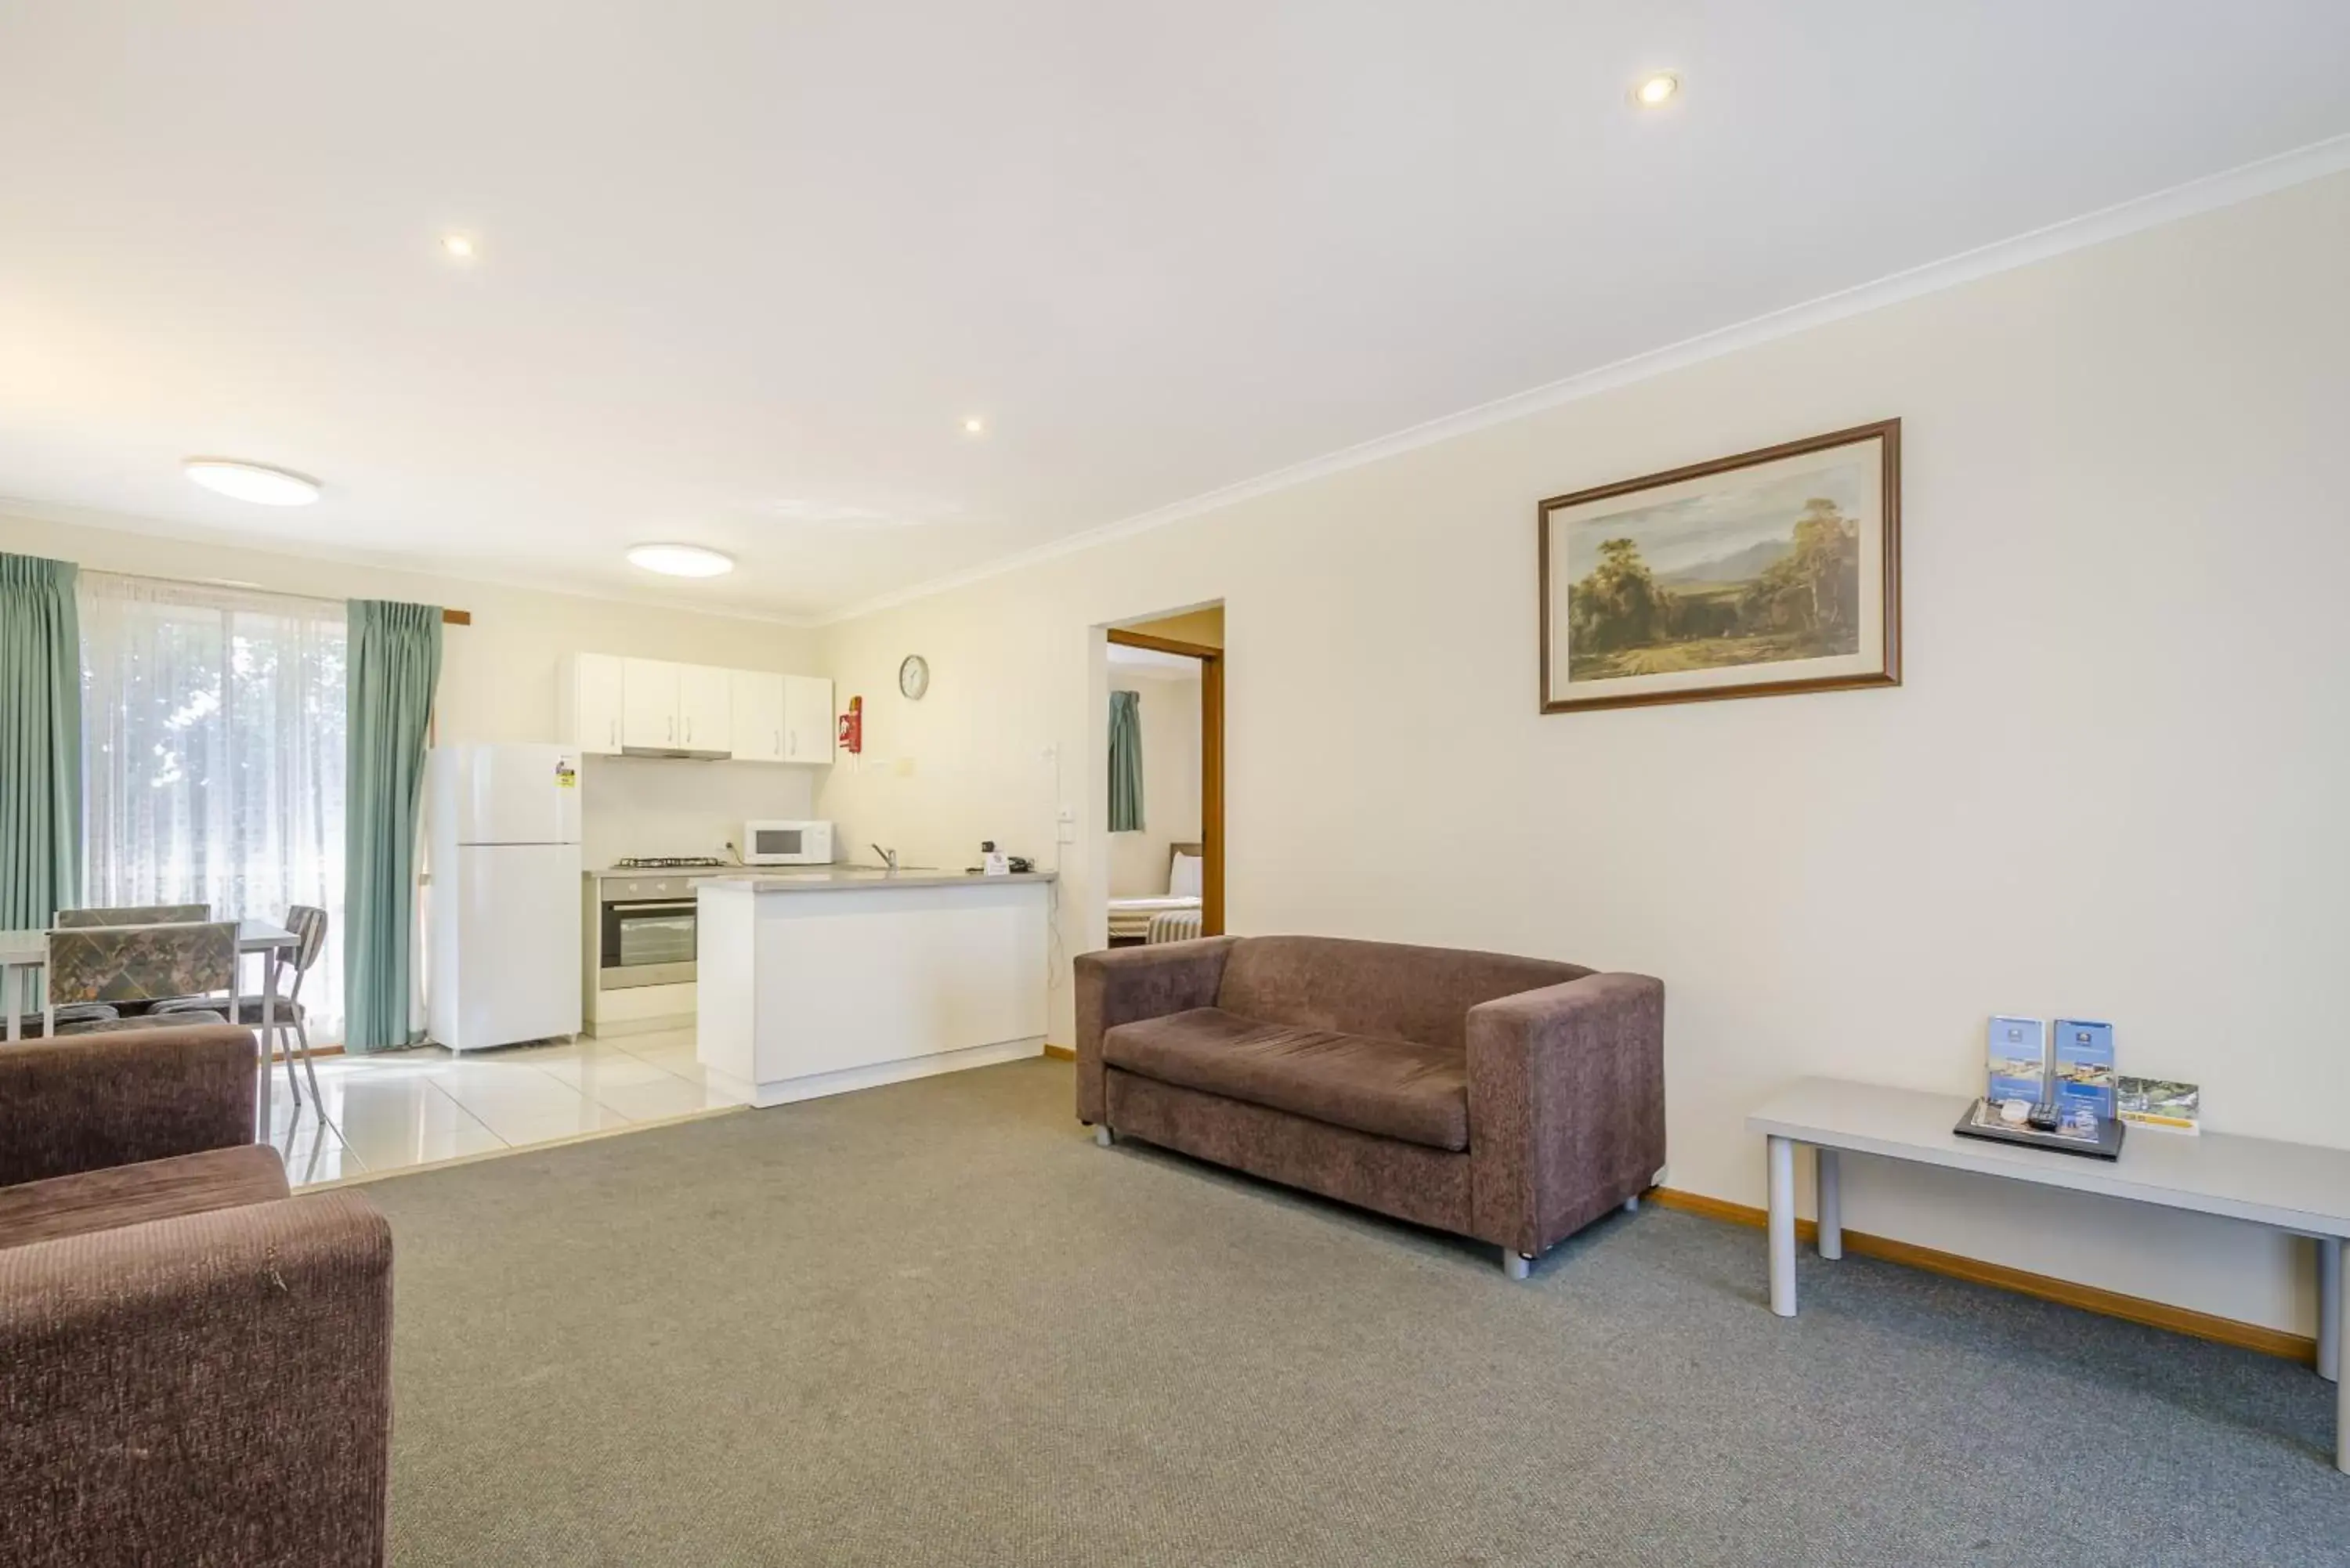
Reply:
x=665 y=862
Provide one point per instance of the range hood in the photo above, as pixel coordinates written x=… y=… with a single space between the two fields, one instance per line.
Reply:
x=688 y=753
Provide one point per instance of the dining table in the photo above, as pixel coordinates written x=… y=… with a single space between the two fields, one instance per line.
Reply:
x=24 y=953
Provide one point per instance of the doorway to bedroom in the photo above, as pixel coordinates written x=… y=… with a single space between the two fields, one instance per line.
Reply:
x=1166 y=806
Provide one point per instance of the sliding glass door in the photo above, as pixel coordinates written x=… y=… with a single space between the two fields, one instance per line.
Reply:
x=212 y=756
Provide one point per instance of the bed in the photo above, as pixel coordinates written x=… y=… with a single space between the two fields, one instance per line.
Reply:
x=1130 y=919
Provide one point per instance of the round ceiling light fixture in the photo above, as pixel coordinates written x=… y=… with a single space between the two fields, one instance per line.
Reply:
x=253 y=482
x=680 y=560
x=975 y=425
x=459 y=247
x=1655 y=90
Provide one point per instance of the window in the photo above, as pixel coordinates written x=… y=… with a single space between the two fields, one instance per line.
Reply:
x=212 y=757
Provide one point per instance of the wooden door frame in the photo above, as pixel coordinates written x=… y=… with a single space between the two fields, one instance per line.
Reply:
x=1211 y=765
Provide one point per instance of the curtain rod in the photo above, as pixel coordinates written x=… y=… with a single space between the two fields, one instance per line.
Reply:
x=448 y=617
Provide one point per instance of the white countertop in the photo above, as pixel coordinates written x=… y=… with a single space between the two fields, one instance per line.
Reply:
x=852 y=878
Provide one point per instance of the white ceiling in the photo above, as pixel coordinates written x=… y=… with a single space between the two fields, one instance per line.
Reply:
x=745 y=265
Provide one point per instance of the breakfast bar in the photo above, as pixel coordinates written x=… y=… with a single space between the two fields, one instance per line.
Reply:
x=819 y=982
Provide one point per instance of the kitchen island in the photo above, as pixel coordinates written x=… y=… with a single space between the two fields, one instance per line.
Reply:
x=837 y=978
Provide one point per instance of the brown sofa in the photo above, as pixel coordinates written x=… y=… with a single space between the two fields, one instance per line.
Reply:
x=1512 y=1099
x=194 y=1366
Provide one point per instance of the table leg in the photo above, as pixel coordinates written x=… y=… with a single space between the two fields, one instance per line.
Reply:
x=2339 y=1306
x=1781 y=1157
x=260 y=1100
x=2329 y=1308
x=1831 y=1203
x=15 y=991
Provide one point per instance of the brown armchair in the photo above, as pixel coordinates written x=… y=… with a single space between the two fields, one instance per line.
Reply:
x=194 y=1366
x=1512 y=1099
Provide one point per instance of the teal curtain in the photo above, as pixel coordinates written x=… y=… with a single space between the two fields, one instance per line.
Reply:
x=395 y=663
x=1126 y=761
x=40 y=741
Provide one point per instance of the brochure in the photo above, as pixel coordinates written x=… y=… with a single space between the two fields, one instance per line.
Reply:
x=2160 y=1103
x=2084 y=1069
x=2018 y=1052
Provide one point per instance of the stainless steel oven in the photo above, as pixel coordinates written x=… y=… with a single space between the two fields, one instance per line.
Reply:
x=648 y=931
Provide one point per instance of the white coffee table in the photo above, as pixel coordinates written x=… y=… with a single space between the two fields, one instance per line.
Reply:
x=2296 y=1188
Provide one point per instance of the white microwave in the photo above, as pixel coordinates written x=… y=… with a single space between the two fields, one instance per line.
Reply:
x=776 y=843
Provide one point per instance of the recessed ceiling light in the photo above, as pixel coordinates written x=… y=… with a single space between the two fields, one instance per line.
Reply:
x=680 y=560
x=974 y=426
x=252 y=482
x=1657 y=89
x=459 y=246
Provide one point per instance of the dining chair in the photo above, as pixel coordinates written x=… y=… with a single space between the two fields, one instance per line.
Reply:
x=287 y=1017
x=32 y=1025
x=133 y=915
x=116 y=964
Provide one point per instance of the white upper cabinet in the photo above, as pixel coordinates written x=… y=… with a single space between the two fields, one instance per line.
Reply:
x=759 y=716
x=607 y=704
x=705 y=708
x=588 y=694
x=649 y=695
x=807 y=719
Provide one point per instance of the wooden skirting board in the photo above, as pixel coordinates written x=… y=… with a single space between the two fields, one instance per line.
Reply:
x=1059 y=1053
x=1999 y=1276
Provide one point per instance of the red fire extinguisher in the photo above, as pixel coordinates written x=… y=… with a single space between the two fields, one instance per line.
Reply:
x=852 y=726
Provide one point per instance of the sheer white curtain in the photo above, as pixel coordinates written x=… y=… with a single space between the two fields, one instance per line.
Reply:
x=212 y=757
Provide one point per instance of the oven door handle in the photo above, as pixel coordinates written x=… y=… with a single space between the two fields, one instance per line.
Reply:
x=662 y=907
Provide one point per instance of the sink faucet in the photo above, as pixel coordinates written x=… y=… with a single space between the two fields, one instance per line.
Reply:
x=889 y=857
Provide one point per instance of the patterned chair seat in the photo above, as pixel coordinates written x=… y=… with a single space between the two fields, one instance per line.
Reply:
x=248 y=1008
x=29 y=1026
x=144 y=1020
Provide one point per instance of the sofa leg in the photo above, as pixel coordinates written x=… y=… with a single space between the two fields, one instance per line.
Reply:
x=1516 y=1264
x=1632 y=1204
x=1103 y=1136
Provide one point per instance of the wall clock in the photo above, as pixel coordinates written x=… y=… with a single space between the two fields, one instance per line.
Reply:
x=914 y=677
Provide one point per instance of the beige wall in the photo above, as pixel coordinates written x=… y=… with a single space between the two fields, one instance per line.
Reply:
x=1171 y=781
x=2112 y=785
x=497 y=680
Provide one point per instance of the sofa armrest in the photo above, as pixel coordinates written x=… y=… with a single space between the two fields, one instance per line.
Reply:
x=85 y=1102
x=1567 y=1106
x=213 y=1387
x=1124 y=984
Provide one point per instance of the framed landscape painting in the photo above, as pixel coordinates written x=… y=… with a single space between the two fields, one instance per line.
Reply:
x=1774 y=572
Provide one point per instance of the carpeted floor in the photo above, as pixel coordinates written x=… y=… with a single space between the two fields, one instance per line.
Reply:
x=933 y=1323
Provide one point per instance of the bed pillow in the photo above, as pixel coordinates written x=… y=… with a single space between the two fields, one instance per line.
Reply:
x=1183 y=878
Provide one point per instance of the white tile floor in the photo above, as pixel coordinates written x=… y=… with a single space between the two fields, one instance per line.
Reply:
x=397 y=1110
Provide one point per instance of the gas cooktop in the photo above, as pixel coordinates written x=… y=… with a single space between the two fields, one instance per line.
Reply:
x=666 y=862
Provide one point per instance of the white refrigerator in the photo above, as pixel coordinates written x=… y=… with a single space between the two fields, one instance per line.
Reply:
x=503 y=905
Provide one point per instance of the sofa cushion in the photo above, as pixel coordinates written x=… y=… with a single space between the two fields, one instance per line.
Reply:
x=128 y=1194
x=1390 y=990
x=1392 y=1088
